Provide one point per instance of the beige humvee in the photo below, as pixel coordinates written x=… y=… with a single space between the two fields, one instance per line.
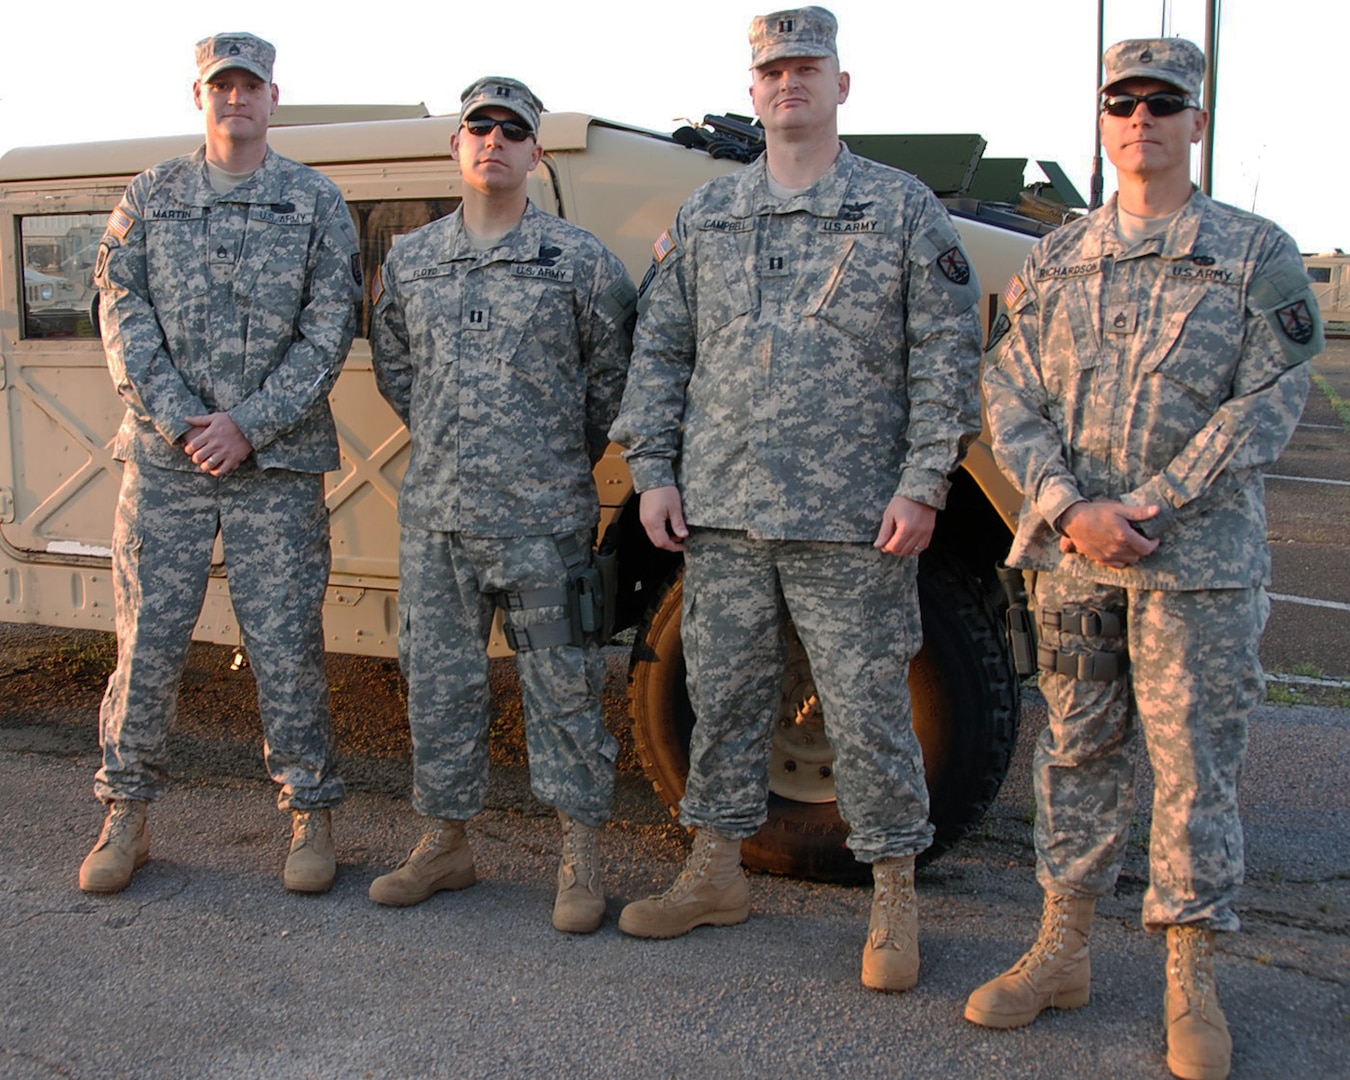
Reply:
x=58 y=481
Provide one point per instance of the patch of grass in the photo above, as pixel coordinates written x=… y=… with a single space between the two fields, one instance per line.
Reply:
x=85 y=655
x=1338 y=403
x=1284 y=694
x=1335 y=697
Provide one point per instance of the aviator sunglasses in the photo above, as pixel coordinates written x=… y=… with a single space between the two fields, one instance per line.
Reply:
x=480 y=127
x=1162 y=103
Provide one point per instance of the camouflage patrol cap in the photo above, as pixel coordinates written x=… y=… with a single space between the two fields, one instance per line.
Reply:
x=245 y=51
x=511 y=94
x=807 y=31
x=1170 y=60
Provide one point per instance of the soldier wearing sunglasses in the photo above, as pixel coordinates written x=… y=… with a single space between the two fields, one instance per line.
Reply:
x=501 y=337
x=1154 y=360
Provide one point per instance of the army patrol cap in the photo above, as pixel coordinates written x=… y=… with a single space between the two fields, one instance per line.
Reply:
x=807 y=31
x=1170 y=60
x=244 y=51
x=510 y=94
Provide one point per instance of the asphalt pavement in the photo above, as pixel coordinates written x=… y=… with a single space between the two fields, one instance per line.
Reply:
x=206 y=967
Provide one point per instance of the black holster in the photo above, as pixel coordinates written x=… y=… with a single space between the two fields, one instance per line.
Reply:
x=1021 y=627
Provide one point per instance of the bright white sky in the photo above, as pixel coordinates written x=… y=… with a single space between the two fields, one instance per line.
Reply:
x=1023 y=75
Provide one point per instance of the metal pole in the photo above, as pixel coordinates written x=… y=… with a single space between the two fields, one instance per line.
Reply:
x=1211 y=90
x=1096 y=184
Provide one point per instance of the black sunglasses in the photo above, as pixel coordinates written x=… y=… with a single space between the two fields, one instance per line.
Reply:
x=481 y=126
x=1162 y=103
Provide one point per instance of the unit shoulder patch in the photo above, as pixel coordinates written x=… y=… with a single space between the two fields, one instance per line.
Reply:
x=954 y=266
x=1296 y=321
x=998 y=331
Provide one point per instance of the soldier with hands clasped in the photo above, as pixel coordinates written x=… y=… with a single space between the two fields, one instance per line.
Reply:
x=1154 y=361
x=229 y=280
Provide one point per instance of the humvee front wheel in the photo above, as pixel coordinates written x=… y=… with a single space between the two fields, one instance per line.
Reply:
x=965 y=697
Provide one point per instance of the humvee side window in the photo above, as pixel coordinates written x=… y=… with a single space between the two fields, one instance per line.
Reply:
x=60 y=299
x=59 y=296
x=379 y=224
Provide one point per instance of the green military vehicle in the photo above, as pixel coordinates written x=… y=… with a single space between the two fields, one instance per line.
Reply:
x=59 y=482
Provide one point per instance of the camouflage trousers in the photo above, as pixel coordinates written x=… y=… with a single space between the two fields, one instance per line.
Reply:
x=1193 y=678
x=448 y=589
x=856 y=611
x=274 y=526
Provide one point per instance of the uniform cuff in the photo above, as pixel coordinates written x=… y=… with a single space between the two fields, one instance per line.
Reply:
x=1056 y=497
x=651 y=472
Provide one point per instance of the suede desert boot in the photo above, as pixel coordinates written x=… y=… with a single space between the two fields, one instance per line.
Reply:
x=891 y=955
x=123 y=847
x=1055 y=974
x=1198 y=1044
x=441 y=860
x=312 y=862
x=580 y=906
x=710 y=891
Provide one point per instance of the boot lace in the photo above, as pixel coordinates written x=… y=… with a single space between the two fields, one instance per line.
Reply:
x=1192 y=966
x=696 y=867
x=578 y=851
x=305 y=827
x=120 y=825
x=1050 y=941
x=893 y=897
x=433 y=842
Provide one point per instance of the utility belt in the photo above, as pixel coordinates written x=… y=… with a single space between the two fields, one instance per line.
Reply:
x=1084 y=664
x=1030 y=634
x=589 y=596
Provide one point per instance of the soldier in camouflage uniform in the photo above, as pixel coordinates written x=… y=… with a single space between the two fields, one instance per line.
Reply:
x=1154 y=361
x=502 y=339
x=228 y=283
x=804 y=381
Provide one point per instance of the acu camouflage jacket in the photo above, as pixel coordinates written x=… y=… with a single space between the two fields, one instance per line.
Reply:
x=1168 y=373
x=241 y=303
x=798 y=363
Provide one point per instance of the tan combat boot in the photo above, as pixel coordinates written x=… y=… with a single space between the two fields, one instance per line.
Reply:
x=123 y=848
x=891 y=955
x=441 y=860
x=312 y=862
x=1198 y=1044
x=710 y=891
x=1055 y=974
x=580 y=906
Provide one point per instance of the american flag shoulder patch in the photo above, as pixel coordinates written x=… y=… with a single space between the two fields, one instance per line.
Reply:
x=1013 y=292
x=665 y=244
x=121 y=222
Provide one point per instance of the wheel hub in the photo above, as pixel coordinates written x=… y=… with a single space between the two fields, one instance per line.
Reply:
x=801 y=764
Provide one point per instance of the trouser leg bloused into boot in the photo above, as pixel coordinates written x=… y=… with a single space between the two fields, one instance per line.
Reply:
x=123 y=847
x=441 y=860
x=1055 y=974
x=891 y=956
x=1198 y=1044
x=580 y=906
x=312 y=863
x=710 y=891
